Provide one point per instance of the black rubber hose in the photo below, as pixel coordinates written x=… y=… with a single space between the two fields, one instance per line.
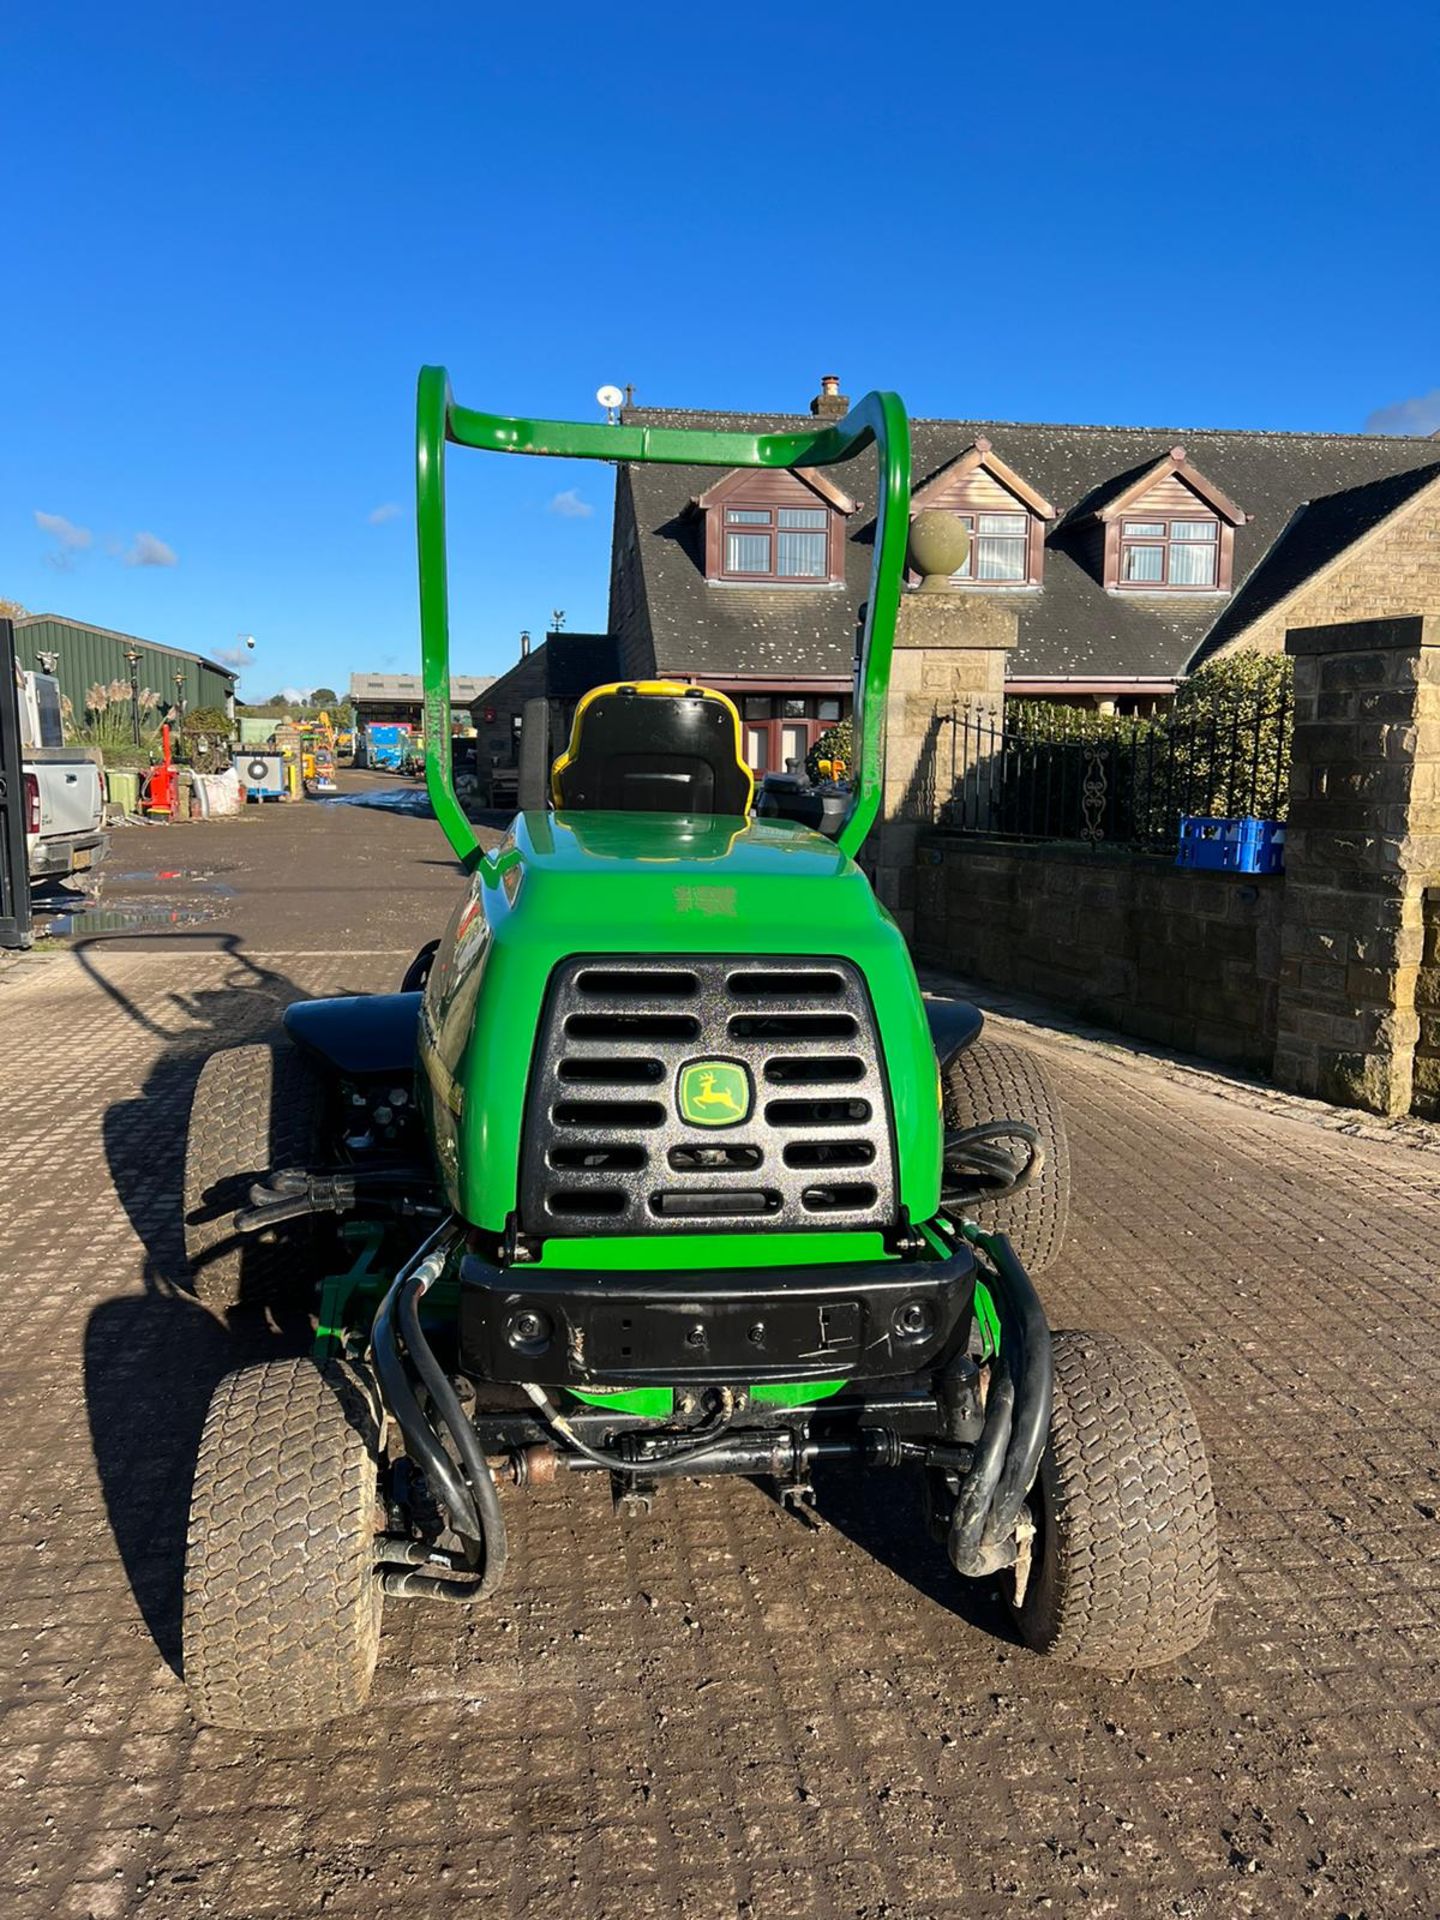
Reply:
x=451 y=1494
x=977 y=1489
x=467 y=1441
x=1034 y=1373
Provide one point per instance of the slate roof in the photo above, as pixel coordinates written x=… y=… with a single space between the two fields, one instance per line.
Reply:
x=1069 y=627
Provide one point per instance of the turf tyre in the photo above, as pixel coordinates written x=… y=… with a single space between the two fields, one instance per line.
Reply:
x=256 y=1109
x=1126 y=1563
x=995 y=1080
x=282 y=1604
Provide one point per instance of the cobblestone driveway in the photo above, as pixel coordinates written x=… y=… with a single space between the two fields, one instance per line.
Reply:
x=715 y=1712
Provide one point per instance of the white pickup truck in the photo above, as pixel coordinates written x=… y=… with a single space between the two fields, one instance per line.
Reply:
x=64 y=803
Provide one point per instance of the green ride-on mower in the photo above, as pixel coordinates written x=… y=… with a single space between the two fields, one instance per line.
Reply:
x=658 y=1165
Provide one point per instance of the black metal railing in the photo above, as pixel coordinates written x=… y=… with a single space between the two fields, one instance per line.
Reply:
x=1062 y=774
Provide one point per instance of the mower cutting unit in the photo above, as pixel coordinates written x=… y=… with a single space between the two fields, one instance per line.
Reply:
x=657 y=1165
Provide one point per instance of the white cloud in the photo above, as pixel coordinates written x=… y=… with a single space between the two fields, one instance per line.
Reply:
x=232 y=656
x=1419 y=415
x=147 y=551
x=70 y=540
x=570 y=506
x=387 y=510
x=297 y=696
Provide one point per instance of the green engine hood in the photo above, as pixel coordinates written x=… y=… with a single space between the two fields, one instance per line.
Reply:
x=600 y=883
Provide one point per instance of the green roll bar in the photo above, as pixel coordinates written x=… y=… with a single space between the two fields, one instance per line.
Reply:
x=879 y=417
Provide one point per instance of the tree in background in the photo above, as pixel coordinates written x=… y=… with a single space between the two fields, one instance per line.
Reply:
x=324 y=697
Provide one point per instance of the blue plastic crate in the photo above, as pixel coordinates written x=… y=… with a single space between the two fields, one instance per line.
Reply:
x=1243 y=845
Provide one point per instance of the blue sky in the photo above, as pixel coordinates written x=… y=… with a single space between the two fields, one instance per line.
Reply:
x=231 y=236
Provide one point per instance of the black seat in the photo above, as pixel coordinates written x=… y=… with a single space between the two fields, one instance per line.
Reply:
x=653 y=746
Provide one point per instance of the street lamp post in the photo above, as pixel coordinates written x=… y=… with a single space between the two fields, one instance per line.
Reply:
x=180 y=693
x=132 y=654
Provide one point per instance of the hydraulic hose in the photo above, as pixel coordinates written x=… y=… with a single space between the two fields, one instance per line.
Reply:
x=616 y=1463
x=467 y=1443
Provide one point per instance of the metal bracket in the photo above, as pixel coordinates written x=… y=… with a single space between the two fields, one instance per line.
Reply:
x=798 y=1497
x=633 y=1494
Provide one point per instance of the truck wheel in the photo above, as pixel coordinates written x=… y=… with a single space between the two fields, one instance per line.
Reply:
x=256 y=1108
x=282 y=1604
x=1125 y=1561
x=993 y=1080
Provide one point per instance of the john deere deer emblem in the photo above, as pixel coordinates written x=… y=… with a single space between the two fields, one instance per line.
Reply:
x=714 y=1093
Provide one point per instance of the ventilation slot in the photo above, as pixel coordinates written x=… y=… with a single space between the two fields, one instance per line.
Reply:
x=588 y=1200
x=833 y=1069
x=601 y=1114
x=643 y=984
x=793 y=1026
x=612 y=1073
x=839 y=1196
x=817 y=1113
x=714 y=1159
x=598 y=1159
x=740 y=1203
x=829 y=1153
x=632 y=1026
x=785 y=986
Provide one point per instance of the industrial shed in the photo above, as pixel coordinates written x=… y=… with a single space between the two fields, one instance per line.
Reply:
x=79 y=655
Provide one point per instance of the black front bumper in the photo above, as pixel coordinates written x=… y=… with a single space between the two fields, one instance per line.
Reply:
x=585 y=1329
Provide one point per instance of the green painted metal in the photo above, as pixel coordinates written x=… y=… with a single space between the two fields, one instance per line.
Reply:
x=796 y=1393
x=649 y=1403
x=339 y=1291
x=658 y=1403
x=601 y=883
x=988 y=1320
x=879 y=419
x=714 y=1252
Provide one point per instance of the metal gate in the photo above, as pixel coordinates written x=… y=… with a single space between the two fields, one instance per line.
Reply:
x=14 y=871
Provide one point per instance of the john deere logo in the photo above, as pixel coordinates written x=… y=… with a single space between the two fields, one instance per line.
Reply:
x=714 y=1093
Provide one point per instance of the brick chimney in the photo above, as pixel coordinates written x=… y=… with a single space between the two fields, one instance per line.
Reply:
x=830 y=403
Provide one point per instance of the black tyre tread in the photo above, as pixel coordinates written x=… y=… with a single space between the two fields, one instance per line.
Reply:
x=256 y=1108
x=1129 y=1571
x=997 y=1080
x=282 y=1607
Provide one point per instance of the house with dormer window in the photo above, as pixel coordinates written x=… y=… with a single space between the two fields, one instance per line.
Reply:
x=1127 y=555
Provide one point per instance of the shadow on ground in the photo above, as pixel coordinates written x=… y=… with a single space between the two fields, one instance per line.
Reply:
x=152 y=1360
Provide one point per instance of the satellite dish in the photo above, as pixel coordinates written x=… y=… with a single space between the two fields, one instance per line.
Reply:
x=610 y=398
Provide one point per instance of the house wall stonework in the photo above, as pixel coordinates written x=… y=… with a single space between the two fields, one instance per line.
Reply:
x=1386 y=575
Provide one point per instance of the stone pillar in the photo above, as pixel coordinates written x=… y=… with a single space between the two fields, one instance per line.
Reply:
x=1363 y=843
x=949 y=648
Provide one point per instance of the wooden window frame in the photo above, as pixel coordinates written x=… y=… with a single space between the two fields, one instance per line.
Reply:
x=716 y=529
x=1224 y=545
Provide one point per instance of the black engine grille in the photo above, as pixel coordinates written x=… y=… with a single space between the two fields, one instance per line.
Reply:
x=607 y=1149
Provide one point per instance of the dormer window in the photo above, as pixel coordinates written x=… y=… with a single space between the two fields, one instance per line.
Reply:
x=776 y=543
x=782 y=529
x=1004 y=517
x=1169 y=553
x=1166 y=530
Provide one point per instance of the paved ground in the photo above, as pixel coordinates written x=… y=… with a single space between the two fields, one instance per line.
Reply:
x=713 y=1712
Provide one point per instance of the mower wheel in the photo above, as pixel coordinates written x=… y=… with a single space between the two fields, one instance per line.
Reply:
x=1125 y=1562
x=256 y=1109
x=994 y=1080
x=282 y=1603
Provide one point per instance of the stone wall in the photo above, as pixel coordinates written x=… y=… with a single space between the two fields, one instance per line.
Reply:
x=949 y=648
x=1183 y=959
x=1425 y=1092
x=1362 y=847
